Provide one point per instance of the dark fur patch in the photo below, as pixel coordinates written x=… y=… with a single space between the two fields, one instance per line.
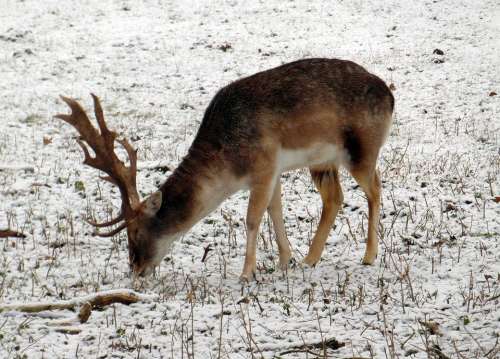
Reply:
x=229 y=128
x=177 y=196
x=140 y=245
x=391 y=99
x=352 y=144
x=376 y=92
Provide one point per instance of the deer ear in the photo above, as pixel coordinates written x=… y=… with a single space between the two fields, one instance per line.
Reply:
x=152 y=204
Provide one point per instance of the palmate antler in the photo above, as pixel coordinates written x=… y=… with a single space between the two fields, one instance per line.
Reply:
x=103 y=144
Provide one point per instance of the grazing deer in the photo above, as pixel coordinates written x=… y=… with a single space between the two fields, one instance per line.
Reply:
x=319 y=113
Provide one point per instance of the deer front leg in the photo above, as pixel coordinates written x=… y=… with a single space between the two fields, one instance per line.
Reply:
x=275 y=210
x=260 y=196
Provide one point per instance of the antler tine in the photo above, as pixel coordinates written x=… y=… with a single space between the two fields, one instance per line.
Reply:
x=109 y=179
x=114 y=231
x=78 y=118
x=99 y=115
x=132 y=153
x=132 y=156
x=116 y=220
x=88 y=133
x=73 y=105
x=88 y=159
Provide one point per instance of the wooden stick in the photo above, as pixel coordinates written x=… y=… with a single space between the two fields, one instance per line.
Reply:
x=331 y=343
x=4 y=233
x=99 y=299
x=68 y=330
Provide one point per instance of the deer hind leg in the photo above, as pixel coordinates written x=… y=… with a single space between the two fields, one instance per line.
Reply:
x=275 y=210
x=369 y=181
x=260 y=197
x=328 y=185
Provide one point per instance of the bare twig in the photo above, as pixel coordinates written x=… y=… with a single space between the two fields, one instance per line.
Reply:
x=205 y=253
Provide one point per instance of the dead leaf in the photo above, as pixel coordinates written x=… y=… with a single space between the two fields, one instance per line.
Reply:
x=431 y=326
x=4 y=233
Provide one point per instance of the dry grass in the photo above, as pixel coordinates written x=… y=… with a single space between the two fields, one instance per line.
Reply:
x=434 y=291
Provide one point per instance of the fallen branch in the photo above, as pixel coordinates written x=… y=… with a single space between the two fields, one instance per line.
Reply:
x=96 y=300
x=68 y=330
x=4 y=233
x=332 y=344
x=21 y=167
x=71 y=326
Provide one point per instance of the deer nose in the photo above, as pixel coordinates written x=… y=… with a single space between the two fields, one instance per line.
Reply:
x=135 y=270
x=140 y=271
x=145 y=271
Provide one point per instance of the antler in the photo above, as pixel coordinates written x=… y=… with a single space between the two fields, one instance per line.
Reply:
x=103 y=144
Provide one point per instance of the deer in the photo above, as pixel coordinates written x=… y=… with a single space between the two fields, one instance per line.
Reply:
x=319 y=113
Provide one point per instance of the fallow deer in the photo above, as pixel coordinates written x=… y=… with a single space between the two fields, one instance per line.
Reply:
x=316 y=113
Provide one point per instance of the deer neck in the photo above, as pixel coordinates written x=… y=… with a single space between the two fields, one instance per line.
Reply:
x=196 y=188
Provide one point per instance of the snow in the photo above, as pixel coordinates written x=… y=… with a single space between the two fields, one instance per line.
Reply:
x=434 y=289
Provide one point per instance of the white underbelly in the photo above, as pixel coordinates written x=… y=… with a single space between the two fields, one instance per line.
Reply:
x=317 y=154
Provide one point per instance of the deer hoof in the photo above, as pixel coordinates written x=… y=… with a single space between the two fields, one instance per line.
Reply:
x=310 y=261
x=247 y=277
x=369 y=258
x=285 y=261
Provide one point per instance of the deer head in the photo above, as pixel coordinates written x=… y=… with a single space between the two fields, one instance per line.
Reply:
x=137 y=216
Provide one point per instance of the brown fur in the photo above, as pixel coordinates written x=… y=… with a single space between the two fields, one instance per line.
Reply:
x=295 y=104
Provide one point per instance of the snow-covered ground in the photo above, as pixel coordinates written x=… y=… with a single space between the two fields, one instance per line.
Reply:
x=434 y=291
